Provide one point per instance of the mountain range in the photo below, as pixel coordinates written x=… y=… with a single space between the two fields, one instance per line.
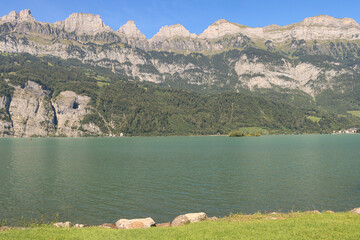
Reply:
x=313 y=65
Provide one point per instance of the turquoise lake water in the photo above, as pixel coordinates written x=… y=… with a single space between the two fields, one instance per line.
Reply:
x=98 y=180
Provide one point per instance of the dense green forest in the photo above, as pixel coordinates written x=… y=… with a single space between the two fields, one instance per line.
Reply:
x=123 y=106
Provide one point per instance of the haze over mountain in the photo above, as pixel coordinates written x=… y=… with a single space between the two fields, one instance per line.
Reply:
x=316 y=60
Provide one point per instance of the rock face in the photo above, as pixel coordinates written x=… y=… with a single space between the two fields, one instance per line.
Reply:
x=83 y=23
x=130 y=30
x=223 y=28
x=23 y=16
x=173 y=31
x=135 y=223
x=70 y=108
x=226 y=55
x=31 y=113
x=6 y=127
x=188 y=218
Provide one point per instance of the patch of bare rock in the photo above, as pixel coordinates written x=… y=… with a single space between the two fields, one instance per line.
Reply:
x=135 y=223
x=188 y=218
x=356 y=211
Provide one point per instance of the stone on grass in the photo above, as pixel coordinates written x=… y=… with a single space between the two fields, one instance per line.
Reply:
x=135 y=223
x=213 y=218
x=196 y=217
x=356 y=211
x=329 y=211
x=180 y=220
x=63 y=224
x=188 y=218
x=80 y=225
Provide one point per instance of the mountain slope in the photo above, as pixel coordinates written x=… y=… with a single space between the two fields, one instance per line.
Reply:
x=48 y=96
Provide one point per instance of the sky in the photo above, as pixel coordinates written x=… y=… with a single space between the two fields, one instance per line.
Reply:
x=194 y=15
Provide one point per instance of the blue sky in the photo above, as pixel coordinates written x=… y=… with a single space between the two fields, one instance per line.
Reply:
x=195 y=15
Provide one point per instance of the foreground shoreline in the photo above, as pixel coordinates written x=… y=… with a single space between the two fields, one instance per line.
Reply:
x=293 y=225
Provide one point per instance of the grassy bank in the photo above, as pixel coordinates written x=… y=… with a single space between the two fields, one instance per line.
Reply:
x=258 y=226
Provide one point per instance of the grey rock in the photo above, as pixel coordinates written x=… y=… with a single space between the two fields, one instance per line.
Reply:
x=180 y=220
x=135 y=223
x=31 y=112
x=80 y=225
x=83 y=23
x=356 y=211
x=63 y=224
x=189 y=218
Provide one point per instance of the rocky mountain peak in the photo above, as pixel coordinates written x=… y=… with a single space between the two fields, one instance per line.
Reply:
x=83 y=23
x=130 y=29
x=23 y=16
x=221 y=28
x=220 y=22
x=174 y=31
x=328 y=21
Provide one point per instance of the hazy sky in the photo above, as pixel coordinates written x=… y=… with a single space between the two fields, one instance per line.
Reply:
x=195 y=15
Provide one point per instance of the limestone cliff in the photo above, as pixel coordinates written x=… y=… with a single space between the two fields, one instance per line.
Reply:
x=174 y=56
x=83 y=23
x=30 y=112
x=70 y=109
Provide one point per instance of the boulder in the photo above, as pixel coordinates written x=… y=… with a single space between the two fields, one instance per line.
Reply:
x=108 y=225
x=356 y=211
x=180 y=220
x=135 y=223
x=80 y=225
x=213 y=218
x=63 y=224
x=196 y=217
x=329 y=211
x=188 y=218
x=168 y=224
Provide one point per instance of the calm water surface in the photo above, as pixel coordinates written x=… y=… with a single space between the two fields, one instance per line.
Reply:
x=97 y=180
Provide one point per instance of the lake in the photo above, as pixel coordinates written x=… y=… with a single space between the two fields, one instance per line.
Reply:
x=98 y=180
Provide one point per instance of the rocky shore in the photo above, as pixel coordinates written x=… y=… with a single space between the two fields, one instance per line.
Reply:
x=149 y=222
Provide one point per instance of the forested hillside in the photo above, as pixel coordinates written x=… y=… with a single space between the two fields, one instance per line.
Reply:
x=121 y=106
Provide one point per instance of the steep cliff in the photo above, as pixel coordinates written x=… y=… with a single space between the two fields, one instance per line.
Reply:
x=30 y=112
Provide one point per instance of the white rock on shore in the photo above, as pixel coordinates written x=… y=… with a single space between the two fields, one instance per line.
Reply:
x=189 y=218
x=135 y=223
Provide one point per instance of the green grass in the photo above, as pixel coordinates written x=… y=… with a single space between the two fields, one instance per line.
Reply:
x=314 y=119
x=253 y=130
x=355 y=113
x=101 y=84
x=257 y=226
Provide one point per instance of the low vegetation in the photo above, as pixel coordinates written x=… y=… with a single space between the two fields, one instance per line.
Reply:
x=240 y=133
x=294 y=225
